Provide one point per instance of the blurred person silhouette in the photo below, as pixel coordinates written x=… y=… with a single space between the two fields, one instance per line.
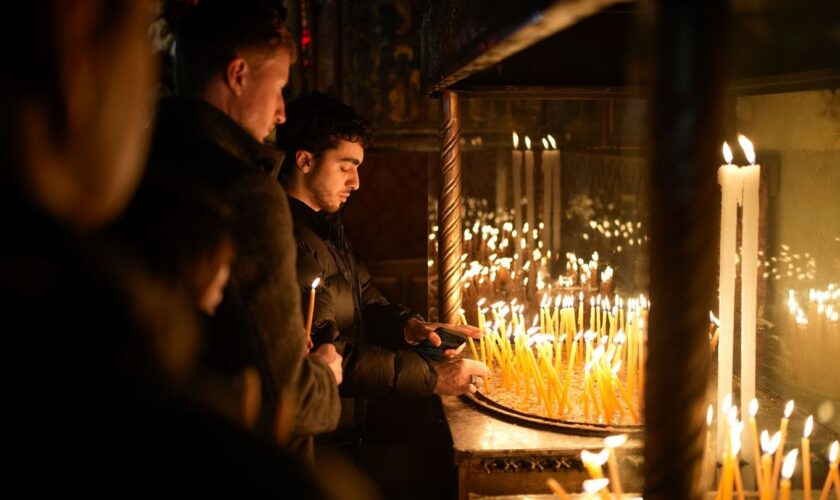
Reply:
x=96 y=352
x=232 y=61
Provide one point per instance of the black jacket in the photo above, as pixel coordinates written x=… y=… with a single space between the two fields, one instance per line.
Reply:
x=197 y=147
x=351 y=312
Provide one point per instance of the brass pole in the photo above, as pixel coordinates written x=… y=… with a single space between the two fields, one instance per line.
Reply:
x=449 y=210
x=685 y=139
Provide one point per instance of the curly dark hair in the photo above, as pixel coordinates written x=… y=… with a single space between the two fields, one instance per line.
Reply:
x=212 y=33
x=315 y=122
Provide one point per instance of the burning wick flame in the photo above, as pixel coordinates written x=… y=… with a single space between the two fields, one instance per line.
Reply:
x=316 y=283
x=591 y=486
x=727 y=153
x=788 y=408
x=747 y=146
x=789 y=464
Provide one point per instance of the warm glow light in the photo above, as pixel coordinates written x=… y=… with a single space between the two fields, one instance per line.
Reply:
x=789 y=464
x=788 y=408
x=709 y=414
x=592 y=486
x=747 y=146
x=809 y=426
x=615 y=441
x=598 y=459
x=316 y=283
x=527 y=142
x=727 y=153
x=753 y=407
x=832 y=452
x=515 y=140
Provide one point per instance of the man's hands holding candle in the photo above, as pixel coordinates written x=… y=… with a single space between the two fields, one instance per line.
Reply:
x=327 y=354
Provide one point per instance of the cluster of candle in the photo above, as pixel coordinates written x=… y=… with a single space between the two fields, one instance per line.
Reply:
x=560 y=369
x=796 y=266
x=824 y=305
x=594 y=463
x=775 y=470
x=618 y=231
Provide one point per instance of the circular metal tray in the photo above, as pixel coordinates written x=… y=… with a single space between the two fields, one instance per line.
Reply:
x=508 y=414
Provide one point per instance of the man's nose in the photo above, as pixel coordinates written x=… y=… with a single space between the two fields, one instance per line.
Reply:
x=353 y=182
x=280 y=114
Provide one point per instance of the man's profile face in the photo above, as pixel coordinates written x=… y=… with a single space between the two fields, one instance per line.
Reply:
x=261 y=106
x=335 y=176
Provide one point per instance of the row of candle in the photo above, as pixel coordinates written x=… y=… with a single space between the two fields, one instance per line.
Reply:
x=559 y=357
x=594 y=463
x=774 y=472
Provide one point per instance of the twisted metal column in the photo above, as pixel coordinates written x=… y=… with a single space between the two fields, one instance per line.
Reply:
x=686 y=133
x=449 y=211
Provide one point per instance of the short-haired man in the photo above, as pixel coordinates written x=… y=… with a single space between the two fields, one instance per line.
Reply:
x=232 y=62
x=325 y=141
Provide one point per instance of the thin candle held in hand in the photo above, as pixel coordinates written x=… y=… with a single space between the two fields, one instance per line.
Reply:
x=311 y=306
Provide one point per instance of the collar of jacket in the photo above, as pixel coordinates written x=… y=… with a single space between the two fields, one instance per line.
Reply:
x=329 y=227
x=182 y=115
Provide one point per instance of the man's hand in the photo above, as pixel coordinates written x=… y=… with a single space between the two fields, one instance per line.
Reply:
x=326 y=354
x=416 y=330
x=456 y=377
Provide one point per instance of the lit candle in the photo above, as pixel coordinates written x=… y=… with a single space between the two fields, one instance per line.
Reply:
x=777 y=461
x=806 y=457
x=787 y=473
x=557 y=202
x=735 y=441
x=593 y=463
x=516 y=161
x=769 y=447
x=749 y=275
x=592 y=486
x=529 y=185
x=754 y=439
x=311 y=306
x=832 y=470
x=548 y=174
x=730 y=184
x=613 y=442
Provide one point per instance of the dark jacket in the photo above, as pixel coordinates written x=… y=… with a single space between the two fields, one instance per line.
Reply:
x=351 y=312
x=196 y=146
x=95 y=359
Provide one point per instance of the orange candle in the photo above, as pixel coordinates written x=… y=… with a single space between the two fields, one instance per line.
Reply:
x=806 y=458
x=787 y=473
x=311 y=306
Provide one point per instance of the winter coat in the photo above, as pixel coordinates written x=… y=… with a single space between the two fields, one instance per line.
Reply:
x=198 y=147
x=352 y=313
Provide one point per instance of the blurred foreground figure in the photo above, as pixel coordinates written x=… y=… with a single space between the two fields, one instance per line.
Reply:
x=95 y=354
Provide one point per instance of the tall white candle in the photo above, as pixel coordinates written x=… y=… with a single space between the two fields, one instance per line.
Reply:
x=529 y=186
x=749 y=279
x=516 y=161
x=730 y=186
x=548 y=192
x=557 y=198
x=501 y=181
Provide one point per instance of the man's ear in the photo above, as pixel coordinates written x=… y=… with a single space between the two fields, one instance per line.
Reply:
x=305 y=161
x=235 y=74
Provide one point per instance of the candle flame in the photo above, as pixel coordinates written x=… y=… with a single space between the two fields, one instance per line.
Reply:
x=789 y=464
x=832 y=452
x=545 y=143
x=615 y=441
x=747 y=146
x=809 y=426
x=735 y=439
x=753 y=407
x=709 y=415
x=765 y=442
x=713 y=318
x=598 y=459
x=515 y=140
x=788 y=408
x=592 y=486
x=774 y=443
x=617 y=367
x=727 y=153
x=552 y=141
x=527 y=142
x=316 y=283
